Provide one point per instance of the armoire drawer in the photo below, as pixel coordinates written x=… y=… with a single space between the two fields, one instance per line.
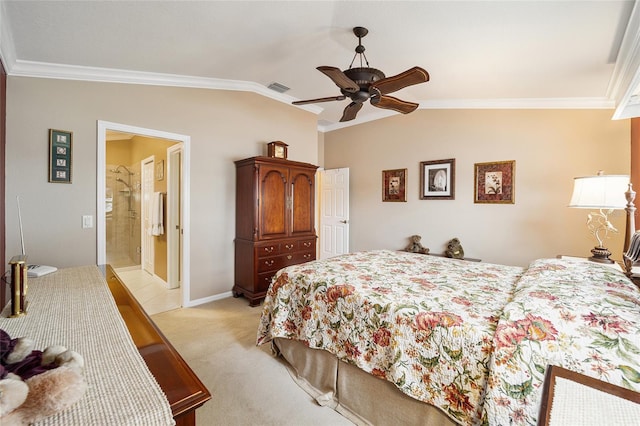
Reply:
x=267 y=250
x=276 y=263
x=264 y=280
x=309 y=244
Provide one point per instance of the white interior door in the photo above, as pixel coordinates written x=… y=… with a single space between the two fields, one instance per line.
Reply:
x=148 y=175
x=334 y=212
x=174 y=216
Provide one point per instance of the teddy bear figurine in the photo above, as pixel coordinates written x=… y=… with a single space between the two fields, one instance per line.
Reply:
x=415 y=246
x=36 y=384
x=454 y=249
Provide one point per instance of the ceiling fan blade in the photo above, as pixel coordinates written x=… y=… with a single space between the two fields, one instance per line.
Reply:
x=314 y=101
x=339 y=78
x=351 y=111
x=394 y=83
x=389 y=102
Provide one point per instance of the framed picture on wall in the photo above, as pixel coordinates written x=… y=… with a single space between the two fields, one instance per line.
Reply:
x=495 y=182
x=60 y=146
x=437 y=179
x=160 y=170
x=394 y=185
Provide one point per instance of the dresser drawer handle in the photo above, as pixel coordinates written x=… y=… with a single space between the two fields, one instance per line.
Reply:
x=307 y=244
x=289 y=257
x=289 y=246
x=307 y=255
x=268 y=249
x=269 y=262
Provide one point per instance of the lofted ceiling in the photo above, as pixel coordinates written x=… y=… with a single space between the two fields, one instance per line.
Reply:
x=479 y=54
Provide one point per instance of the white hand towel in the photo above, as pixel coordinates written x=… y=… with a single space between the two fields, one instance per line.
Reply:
x=157 y=225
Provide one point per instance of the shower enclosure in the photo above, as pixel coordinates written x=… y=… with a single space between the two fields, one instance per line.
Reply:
x=122 y=215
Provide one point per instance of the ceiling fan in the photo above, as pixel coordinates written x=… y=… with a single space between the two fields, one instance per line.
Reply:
x=362 y=83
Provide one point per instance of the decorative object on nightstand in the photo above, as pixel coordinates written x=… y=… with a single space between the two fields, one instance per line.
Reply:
x=415 y=246
x=454 y=249
x=605 y=193
x=277 y=149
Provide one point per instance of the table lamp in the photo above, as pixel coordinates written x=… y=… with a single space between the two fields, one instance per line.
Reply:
x=605 y=193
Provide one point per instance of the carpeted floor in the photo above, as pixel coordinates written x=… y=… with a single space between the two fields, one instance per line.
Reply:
x=249 y=386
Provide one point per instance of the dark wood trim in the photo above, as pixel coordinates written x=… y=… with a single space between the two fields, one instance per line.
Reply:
x=3 y=136
x=183 y=388
x=554 y=371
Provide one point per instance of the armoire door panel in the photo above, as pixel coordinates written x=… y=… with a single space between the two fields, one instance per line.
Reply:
x=273 y=202
x=302 y=200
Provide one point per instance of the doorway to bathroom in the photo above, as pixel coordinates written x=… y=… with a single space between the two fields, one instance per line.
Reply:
x=142 y=212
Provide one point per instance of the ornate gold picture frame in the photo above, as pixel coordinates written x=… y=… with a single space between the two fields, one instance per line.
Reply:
x=394 y=185
x=495 y=182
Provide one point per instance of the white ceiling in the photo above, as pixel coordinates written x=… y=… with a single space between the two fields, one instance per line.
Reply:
x=479 y=54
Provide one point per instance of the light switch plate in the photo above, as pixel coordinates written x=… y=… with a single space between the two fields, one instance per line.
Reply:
x=87 y=221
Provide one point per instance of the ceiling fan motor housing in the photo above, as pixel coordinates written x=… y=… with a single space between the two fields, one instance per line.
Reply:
x=363 y=77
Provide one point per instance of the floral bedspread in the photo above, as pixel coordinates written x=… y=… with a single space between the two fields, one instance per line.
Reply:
x=578 y=315
x=424 y=323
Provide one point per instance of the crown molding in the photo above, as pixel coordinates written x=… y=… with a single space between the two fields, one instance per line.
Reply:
x=524 y=103
x=625 y=80
x=621 y=92
x=21 y=68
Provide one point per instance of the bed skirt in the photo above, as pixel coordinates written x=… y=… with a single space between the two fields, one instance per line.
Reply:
x=355 y=394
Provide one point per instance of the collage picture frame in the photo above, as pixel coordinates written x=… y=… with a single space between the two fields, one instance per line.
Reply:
x=60 y=155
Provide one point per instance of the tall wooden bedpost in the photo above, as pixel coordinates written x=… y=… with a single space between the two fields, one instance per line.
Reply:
x=630 y=195
x=630 y=230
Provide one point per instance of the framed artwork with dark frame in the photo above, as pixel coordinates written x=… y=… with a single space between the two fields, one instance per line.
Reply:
x=60 y=146
x=394 y=185
x=495 y=182
x=437 y=179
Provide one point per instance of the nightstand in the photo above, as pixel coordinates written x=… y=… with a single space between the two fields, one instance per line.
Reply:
x=469 y=259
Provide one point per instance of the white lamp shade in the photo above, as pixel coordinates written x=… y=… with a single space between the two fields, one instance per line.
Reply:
x=600 y=192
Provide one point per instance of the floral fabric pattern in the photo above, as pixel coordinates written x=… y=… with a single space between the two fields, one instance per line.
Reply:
x=582 y=316
x=422 y=322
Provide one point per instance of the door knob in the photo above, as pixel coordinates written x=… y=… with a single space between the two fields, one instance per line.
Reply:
x=343 y=221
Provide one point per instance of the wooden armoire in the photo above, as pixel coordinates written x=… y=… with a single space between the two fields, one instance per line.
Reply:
x=275 y=221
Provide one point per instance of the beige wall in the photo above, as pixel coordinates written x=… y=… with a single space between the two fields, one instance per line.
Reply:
x=550 y=148
x=223 y=125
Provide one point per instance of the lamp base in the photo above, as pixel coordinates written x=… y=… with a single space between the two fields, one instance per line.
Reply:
x=600 y=255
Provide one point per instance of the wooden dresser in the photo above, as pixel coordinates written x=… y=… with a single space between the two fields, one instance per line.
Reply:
x=275 y=221
x=184 y=390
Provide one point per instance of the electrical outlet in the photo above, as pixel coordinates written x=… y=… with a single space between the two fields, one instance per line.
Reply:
x=87 y=221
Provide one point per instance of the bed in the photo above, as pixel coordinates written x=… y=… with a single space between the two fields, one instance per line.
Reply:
x=385 y=336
